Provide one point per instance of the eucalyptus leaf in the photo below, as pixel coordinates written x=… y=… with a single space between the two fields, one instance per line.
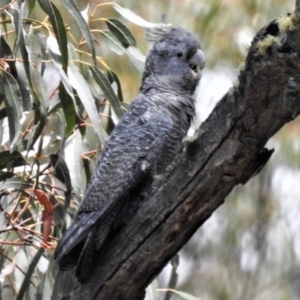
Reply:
x=31 y=5
x=23 y=85
x=75 y=12
x=79 y=84
x=17 y=22
x=121 y=32
x=59 y=29
x=33 y=48
x=59 y=211
x=5 y=175
x=22 y=262
x=29 y=272
x=68 y=101
x=39 y=88
x=40 y=118
x=5 y=51
x=42 y=40
x=135 y=56
x=112 y=43
x=72 y=52
x=57 y=125
x=62 y=173
x=15 y=183
x=13 y=105
x=68 y=108
x=52 y=79
x=5 y=48
x=108 y=91
x=112 y=77
x=11 y=159
x=19 y=41
x=134 y=18
x=72 y=152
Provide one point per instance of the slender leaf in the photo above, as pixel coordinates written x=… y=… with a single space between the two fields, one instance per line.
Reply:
x=68 y=108
x=29 y=272
x=59 y=211
x=5 y=51
x=11 y=159
x=33 y=48
x=132 y=17
x=23 y=85
x=62 y=173
x=13 y=105
x=97 y=92
x=57 y=126
x=40 y=117
x=108 y=91
x=133 y=53
x=53 y=51
x=5 y=175
x=17 y=72
x=17 y=22
x=111 y=41
x=19 y=42
x=22 y=146
x=39 y=88
x=75 y=12
x=72 y=52
x=72 y=152
x=112 y=77
x=41 y=39
x=121 y=32
x=62 y=36
x=31 y=5
x=59 y=29
x=16 y=183
x=79 y=84
x=4 y=48
x=22 y=261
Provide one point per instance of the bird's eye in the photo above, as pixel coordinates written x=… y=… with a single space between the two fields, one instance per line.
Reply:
x=194 y=68
x=179 y=54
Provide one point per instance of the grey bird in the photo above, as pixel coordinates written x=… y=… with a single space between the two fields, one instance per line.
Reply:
x=145 y=141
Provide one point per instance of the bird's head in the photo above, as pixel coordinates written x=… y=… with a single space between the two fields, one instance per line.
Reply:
x=175 y=60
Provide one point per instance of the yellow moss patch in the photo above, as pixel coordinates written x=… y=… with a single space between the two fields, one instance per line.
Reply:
x=264 y=44
x=287 y=23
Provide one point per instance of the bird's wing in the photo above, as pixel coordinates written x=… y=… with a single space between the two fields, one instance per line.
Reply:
x=131 y=151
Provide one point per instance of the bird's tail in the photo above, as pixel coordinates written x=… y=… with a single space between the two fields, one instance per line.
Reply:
x=91 y=251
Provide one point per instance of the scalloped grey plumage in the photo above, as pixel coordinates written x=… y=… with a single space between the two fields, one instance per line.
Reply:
x=146 y=140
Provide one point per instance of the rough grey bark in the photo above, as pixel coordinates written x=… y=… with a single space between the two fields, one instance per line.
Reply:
x=229 y=150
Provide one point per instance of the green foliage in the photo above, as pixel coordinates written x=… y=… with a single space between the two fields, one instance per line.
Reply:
x=59 y=100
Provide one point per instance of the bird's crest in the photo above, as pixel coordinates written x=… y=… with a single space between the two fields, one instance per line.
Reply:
x=161 y=32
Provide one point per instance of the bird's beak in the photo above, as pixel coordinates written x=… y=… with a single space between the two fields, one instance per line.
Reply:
x=198 y=63
x=198 y=59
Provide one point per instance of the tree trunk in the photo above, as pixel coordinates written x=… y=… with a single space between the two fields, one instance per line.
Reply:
x=228 y=150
